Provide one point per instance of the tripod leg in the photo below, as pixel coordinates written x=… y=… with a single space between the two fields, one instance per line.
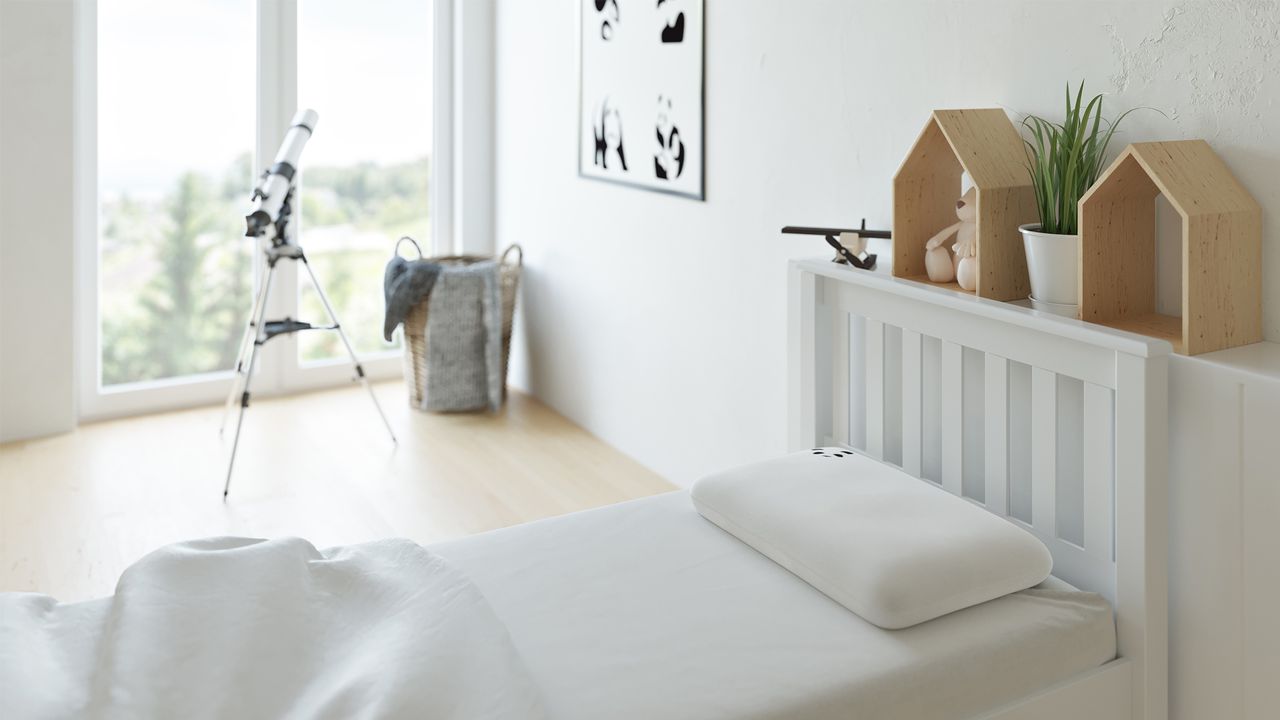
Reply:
x=242 y=357
x=261 y=311
x=236 y=379
x=355 y=361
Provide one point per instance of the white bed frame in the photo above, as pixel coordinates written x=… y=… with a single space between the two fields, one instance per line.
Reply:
x=1056 y=425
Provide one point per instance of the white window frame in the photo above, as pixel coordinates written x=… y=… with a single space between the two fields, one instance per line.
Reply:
x=280 y=371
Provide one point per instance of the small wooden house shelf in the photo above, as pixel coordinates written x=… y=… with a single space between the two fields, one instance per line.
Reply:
x=984 y=144
x=1221 y=248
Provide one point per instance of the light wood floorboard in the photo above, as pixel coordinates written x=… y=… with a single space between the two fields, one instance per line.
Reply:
x=76 y=509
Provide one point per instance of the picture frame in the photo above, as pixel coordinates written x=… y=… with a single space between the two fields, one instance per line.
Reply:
x=641 y=94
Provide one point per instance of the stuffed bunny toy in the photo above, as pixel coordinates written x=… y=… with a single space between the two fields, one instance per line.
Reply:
x=938 y=262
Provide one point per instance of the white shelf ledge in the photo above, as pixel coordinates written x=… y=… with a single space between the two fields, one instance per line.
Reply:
x=1118 y=340
x=1256 y=362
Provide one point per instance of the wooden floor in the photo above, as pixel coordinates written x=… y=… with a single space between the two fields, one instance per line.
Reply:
x=76 y=509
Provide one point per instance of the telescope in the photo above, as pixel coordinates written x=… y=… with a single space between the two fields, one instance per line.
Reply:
x=271 y=196
x=269 y=217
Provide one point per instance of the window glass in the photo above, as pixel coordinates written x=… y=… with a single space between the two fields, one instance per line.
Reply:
x=175 y=134
x=366 y=68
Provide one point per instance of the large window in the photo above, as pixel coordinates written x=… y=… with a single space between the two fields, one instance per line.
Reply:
x=175 y=140
x=186 y=102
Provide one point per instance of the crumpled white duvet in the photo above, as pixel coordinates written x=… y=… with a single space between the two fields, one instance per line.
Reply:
x=240 y=628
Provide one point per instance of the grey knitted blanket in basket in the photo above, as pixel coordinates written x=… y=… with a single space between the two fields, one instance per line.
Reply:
x=464 y=339
x=405 y=283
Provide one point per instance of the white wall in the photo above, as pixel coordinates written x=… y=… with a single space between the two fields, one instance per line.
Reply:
x=658 y=323
x=36 y=278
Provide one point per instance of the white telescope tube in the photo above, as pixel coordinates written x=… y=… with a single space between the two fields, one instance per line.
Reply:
x=269 y=196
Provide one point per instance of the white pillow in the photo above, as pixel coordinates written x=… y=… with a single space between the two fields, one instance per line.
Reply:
x=894 y=549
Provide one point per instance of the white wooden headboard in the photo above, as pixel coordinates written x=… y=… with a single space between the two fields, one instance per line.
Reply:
x=1057 y=425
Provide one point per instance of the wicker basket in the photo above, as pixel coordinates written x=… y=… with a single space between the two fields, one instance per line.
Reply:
x=415 y=323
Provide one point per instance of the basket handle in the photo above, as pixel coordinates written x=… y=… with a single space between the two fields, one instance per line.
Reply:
x=416 y=246
x=519 y=254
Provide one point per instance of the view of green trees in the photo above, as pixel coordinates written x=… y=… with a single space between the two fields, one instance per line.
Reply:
x=352 y=216
x=176 y=272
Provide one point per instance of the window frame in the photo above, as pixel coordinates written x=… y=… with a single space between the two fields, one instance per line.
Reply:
x=280 y=371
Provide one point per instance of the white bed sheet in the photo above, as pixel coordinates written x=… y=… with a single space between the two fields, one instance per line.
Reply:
x=647 y=610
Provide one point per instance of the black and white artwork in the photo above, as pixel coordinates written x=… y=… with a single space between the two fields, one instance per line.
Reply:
x=641 y=94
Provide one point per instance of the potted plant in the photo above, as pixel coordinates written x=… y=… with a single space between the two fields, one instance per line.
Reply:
x=1064 y=160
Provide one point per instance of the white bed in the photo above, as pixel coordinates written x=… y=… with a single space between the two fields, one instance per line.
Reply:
x=1059 y=427
x=647 y=610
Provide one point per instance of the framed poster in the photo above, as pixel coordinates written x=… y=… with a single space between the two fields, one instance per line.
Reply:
x=640 y=102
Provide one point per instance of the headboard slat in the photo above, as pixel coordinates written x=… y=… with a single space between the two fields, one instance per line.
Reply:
x=997 y=433
x=841 y=379
x=1099 y=472
x=875 y=387
x=1044 y=444
x=912 y=402
x=952 y=418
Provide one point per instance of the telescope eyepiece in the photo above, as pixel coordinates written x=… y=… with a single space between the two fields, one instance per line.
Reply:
x=256 y=223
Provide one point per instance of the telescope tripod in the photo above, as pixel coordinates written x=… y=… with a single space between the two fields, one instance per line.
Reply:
x=260 y=331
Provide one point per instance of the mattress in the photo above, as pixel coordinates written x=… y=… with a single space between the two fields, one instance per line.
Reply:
x=646 y=610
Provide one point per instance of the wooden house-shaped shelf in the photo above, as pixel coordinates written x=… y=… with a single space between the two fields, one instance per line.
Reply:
x=1221 y=248
x=984 y=144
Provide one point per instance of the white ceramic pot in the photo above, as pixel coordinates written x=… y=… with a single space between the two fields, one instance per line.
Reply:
x=1054 y=264
x=1070 y=311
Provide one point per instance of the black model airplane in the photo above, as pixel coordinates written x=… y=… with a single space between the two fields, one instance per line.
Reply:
x=866 y=262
